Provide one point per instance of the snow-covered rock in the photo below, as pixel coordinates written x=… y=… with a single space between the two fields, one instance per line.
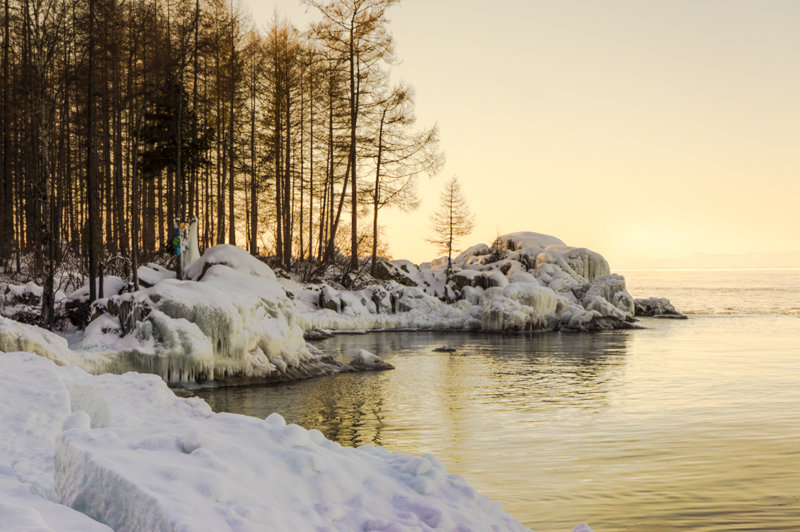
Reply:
x=229 y=321
x=232 y=320
x=95 y=453
x=524 y=282
x=657 y=307
x=526 y=239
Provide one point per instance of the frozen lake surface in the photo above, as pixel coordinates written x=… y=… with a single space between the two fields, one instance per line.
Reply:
x=685 y=425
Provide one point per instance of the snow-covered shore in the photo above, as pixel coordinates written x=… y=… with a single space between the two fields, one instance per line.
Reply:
x=82 y=452
x=108 y=450
x=232 y=321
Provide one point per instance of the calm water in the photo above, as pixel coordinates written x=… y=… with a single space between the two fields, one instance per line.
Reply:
x=688 y=425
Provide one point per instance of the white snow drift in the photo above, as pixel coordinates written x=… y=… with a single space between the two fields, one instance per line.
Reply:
x=124 y=451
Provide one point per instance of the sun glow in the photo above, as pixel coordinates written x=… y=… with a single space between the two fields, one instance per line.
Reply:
x=641 y=130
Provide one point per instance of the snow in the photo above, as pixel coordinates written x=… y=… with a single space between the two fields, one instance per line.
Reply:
x=526 y=239
x=112 y=285
x=78 y=450
x=153 y=274
x=125 y=451
x=525 y=282
x=233 y=321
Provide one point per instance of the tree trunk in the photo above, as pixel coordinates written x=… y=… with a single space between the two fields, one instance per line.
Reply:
x=376 y=198
x=352 y=160
x=91 y=178
x=253 y=184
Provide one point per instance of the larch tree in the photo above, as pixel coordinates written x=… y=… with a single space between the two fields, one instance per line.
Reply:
x=401 y=156
x=6 y=219
x=452 y=221
x=358 y=31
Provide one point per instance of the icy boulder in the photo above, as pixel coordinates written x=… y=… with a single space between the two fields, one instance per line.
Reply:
x=608 y=296
x=229 y=321
x=235 y=258
x=546 y=285
x=580 y=264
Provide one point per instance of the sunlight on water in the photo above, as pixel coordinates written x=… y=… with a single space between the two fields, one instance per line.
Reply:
x=725 y=292
x=687 y=425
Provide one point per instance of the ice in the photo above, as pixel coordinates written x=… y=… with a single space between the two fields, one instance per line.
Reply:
x=16 y=336
x=125 y=451
x=578 y=263
x=191 y=250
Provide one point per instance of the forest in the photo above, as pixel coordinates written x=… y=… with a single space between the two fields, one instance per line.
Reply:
x=120 y=118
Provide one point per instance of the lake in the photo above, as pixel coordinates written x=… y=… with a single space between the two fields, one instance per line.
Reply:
x=683 y=425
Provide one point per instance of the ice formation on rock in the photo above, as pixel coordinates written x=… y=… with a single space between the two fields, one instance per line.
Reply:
x=229 y=321
x=523 y=282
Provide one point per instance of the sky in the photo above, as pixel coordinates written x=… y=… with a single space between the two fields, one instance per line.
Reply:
x=640 y=129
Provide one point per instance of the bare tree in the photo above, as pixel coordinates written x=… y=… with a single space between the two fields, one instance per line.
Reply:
x=452 y=221
x=401 y=155
x=358 y=30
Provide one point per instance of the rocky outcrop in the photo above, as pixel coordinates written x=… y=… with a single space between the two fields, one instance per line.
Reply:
x=400 y=272
x=657 y=307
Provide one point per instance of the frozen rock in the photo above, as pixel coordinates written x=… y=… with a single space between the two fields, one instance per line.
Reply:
x=363 y=360
x=231 y=322
x=578 y=263
x=401 y=272
x=657 y=307
x=608 y=296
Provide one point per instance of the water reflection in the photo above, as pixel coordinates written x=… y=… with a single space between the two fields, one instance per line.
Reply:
x=437 y=399
x=691 y=425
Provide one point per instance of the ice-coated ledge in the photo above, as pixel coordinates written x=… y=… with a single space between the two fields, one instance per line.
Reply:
x=122 y=452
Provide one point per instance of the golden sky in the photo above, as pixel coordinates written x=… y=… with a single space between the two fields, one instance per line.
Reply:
x=642 y=129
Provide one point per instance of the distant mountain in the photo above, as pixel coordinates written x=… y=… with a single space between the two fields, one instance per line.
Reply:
x=706 y=260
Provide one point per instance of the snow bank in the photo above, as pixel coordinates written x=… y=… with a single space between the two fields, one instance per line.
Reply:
x=130 y=454
x=34 y=404
x=16 y=336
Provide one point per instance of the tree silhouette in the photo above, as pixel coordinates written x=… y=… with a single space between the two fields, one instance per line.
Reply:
x=452 y=221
